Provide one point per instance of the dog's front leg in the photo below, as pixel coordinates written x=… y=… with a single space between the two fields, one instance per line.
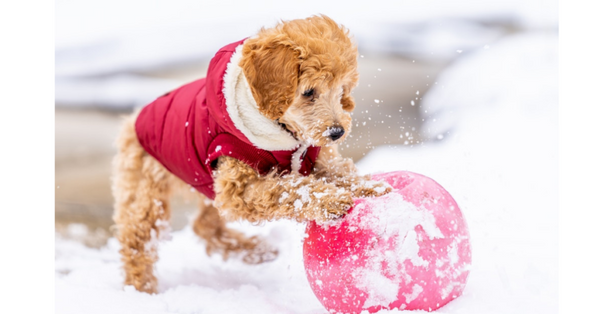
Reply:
x=343 y=173
x=242 y=193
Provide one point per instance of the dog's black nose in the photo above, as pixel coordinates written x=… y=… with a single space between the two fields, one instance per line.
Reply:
x=336 y=133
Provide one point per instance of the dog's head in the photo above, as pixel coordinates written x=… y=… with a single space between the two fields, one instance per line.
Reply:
x=301 y=74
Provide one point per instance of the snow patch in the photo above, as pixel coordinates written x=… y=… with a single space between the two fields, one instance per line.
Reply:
x=304 y=193
x=392 y=219
x=417 y=289
x=283 y=197
x=298 y=205
x=380 y=289
x=318 y=195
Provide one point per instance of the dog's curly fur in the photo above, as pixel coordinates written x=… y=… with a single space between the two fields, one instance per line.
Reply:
x=301 y=73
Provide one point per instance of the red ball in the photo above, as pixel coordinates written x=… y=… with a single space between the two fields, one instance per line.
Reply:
x=408 y=250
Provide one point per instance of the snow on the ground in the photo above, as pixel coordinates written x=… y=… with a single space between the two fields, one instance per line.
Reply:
x=499 y=161
x=90 y=280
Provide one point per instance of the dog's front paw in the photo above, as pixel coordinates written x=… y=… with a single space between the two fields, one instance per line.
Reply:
x=332 y=205
x=369 y=188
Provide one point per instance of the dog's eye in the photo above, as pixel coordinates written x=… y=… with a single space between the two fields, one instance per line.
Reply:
x=308 y=93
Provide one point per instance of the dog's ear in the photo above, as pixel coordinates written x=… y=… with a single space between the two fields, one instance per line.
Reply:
x=271 y=68
x=347 y=101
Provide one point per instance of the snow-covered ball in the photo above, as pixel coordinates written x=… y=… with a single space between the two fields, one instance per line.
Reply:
x=408 y=249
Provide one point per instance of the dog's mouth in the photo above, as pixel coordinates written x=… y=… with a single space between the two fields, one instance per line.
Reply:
x=284 y=126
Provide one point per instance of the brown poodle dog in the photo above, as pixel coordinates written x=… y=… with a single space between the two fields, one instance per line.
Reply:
x=299 y=75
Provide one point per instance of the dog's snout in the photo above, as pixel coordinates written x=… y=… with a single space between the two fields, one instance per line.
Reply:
x=336 y=133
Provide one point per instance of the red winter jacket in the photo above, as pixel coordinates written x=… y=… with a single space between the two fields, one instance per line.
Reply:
x=187 y=129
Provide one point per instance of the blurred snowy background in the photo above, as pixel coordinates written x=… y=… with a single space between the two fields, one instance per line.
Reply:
x=465 y=92
x=119 y=53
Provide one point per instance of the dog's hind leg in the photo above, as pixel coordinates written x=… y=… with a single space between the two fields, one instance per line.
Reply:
x=141 y=187
x=211 y=227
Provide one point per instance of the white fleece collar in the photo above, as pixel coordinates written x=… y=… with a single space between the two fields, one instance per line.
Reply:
x=262 y=132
